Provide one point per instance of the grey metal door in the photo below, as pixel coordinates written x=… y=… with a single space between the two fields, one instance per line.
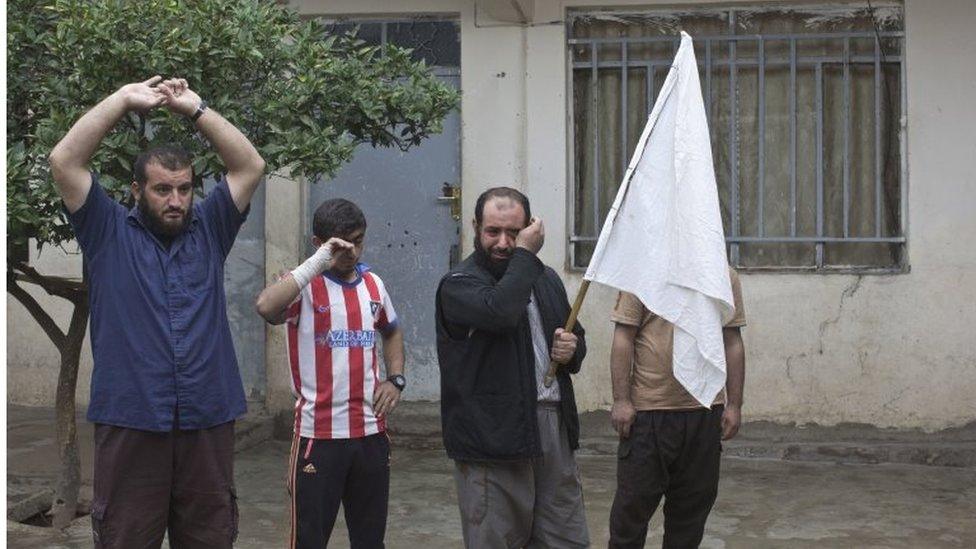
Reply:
x=411 y=236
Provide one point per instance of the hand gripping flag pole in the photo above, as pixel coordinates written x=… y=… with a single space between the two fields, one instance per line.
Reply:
x=608 y=223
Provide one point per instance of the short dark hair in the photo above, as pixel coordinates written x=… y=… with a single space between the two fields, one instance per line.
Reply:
x=501 y=192
x=170 y=156
x=337 y=217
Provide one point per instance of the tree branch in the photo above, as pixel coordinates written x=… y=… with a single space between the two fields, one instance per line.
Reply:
x=40 y=315
x=71 y=289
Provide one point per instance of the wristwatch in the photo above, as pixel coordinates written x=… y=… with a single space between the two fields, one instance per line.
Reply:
x=199 y=111
x=398 y=381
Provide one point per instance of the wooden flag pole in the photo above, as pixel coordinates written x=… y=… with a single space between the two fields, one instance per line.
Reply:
x=665 y=91
x=570 y=324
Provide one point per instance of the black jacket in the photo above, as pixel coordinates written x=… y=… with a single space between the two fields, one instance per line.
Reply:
x=487 y=363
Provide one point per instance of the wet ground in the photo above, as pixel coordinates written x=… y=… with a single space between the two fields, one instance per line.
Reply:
x=762 y=502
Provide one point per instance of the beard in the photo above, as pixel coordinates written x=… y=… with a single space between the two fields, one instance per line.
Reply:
x=157 y=224
x=496 y=267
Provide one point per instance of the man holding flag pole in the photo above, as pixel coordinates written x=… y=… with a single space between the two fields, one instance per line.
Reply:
x=512 y=437
x=676 y=344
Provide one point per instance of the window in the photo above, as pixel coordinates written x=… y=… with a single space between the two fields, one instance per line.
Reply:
x=432 y=40
x=804 y=108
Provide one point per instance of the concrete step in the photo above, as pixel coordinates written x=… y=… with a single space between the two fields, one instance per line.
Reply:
x=945 y=454
x=843 y=443
x=417 y=425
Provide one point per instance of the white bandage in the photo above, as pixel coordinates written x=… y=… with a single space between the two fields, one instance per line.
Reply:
x=320 y=261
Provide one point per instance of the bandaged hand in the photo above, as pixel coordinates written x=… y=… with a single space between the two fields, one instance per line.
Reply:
x=320 y=261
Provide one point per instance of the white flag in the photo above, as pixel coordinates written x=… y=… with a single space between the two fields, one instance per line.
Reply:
x=663 y=240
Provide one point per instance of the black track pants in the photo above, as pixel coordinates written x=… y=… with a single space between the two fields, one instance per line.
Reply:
x=353 y=472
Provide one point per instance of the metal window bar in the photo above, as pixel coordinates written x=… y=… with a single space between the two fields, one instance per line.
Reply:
x=595 y=124
x=818 y=75
x=801 y=61
x=741 y=37
x=763 y=62
x=792 y=137
x=903 y=143
x=877 y=137
x=847 y=137
x=733 y=144
x=652 y=80
x=623 y=109
x=762 y=138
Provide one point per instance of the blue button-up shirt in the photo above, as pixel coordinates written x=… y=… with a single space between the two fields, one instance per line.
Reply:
x=159 y=333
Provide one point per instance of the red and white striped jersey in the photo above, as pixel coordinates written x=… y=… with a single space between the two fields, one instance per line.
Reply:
x=332 y=331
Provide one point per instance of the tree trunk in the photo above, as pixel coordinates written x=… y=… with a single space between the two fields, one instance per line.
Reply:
x=65 y=504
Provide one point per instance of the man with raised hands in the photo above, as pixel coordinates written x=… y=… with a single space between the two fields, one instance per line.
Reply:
x=165 y=388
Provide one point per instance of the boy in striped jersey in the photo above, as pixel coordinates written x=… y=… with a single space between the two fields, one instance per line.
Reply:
x=335 y=307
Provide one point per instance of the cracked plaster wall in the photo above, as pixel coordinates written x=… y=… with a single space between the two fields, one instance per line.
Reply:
x=892 y=350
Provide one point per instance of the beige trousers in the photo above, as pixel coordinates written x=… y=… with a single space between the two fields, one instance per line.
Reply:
x=536 y=503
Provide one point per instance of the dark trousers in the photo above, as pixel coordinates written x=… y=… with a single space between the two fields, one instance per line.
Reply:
x=670 y=454
x=146 y=482
x=325 y=473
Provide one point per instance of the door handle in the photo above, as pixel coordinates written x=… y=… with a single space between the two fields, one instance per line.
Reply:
x=451 y=194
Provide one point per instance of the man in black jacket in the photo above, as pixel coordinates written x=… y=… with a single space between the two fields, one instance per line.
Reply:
x=499 y=318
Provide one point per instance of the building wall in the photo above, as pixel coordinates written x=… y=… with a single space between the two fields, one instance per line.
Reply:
x=885 y=350
x=285 y=243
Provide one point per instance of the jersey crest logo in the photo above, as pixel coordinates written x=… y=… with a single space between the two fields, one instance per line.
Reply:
x=374 y=306
x=310 y=469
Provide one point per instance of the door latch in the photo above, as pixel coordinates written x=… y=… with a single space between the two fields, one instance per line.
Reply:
x=452 y=194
